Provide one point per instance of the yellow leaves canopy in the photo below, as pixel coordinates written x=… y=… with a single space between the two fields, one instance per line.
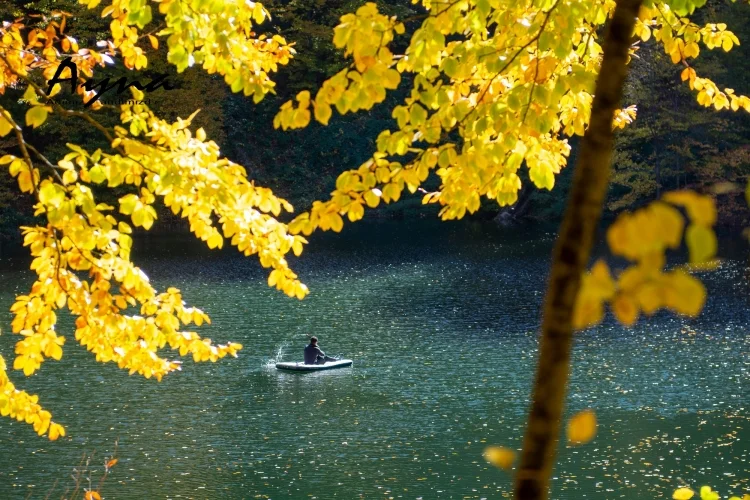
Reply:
x=81 y=253
x=508 y=96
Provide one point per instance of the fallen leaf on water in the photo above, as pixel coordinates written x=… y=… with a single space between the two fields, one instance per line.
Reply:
x=500 y=456
x=582 y=427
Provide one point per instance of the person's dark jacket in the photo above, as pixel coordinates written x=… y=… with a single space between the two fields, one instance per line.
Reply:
x=311 y=354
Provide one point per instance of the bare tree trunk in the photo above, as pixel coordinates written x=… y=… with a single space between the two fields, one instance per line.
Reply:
x=569 y=260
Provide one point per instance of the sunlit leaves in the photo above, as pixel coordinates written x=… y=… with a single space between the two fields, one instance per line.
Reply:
x=683 y=43
x=644 y=237
x=581 y=427
x=624 y=117
x=218 y=35
x=25 y=408
x=81 y=252
x=82 y=235
x=365 y=37
x=484 y=103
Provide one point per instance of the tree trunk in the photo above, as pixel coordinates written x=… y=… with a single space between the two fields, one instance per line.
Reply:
x=569 y=260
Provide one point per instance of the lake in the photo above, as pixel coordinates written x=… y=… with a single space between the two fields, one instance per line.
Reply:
x=440 y=320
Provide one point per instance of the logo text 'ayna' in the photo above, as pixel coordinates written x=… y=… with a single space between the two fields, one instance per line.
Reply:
x=102 y=86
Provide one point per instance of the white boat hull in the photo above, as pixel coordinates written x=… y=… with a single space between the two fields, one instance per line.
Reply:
x=302 y=367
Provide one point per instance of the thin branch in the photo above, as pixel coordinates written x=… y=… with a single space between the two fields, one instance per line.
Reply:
x=49 y=164
x=533 y=86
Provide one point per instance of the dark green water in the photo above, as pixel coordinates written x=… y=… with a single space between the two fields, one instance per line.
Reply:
x=441 y=321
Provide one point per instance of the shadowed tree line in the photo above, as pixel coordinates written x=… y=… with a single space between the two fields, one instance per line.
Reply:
x=672 y=144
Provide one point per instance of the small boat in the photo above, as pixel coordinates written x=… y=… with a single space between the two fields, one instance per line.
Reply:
x=302 y=367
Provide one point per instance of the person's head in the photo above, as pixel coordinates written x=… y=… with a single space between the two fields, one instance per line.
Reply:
x=313 y=340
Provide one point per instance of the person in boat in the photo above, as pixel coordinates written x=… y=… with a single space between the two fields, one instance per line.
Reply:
x=313 y=354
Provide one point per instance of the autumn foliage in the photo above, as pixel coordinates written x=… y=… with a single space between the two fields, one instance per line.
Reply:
x=82 y=251
x=495 y=87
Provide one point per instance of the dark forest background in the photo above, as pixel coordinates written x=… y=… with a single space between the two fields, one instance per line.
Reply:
x=673 y=144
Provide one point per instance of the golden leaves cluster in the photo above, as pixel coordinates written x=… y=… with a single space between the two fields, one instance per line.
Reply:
x=217 y=34
x=681 y=40
x=25 y=48
x=494 y=87
x=23 y=407
x=81 y=255
x=365 y=37
x=644 y=237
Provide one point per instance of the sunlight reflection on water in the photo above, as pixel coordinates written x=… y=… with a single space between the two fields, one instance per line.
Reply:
x=441 y=327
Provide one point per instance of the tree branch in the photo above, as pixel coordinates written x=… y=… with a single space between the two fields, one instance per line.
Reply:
x=570 y=257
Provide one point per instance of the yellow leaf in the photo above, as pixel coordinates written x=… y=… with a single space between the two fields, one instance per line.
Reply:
x=500 y=457
x=258 y=14
x=700 y=208
x=625 y=309
x=92 y=495
x=297 y=247
x=69 y=177
x=708 y=494
x=372 y=198
x=54 y=351
x=683 y=494
x=5 y=126
x=111 y=463
x=601 y=281
x=154 y=41
x=356 y=211
x=55 y=431
x=337 y=223
x=36 y=115
x=51 y=194
x=582 y=427
x=701 y=242
x=322 y=112
x=273 y=278
x=685 y=294
x=215 y=241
